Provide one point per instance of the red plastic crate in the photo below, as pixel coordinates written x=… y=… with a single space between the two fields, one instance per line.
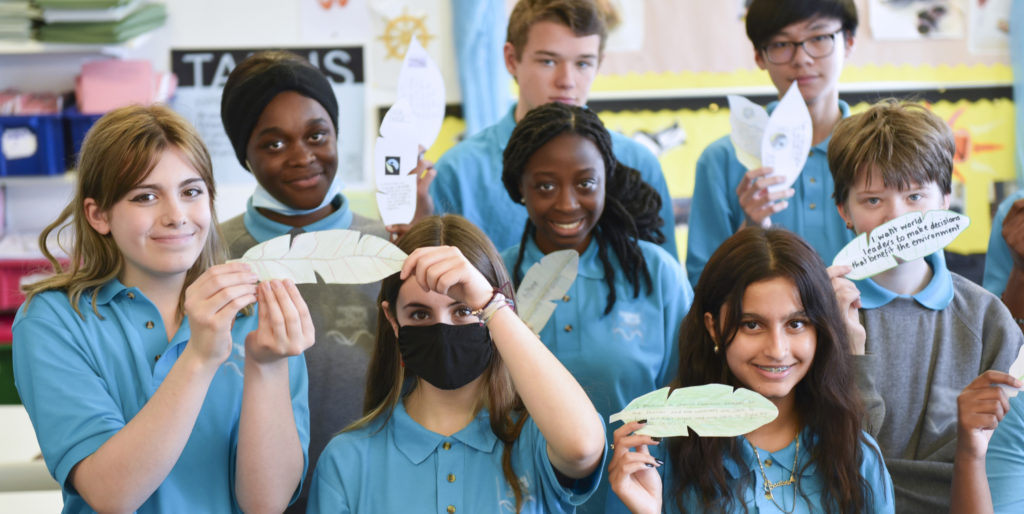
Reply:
x=12 y=271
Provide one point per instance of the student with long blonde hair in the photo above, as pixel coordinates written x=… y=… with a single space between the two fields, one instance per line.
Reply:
x=150 y=384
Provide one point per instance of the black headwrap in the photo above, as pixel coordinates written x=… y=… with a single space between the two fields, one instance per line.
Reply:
x=241 y=105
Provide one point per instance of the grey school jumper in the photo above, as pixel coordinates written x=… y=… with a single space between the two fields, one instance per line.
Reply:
x=918 y=361
x=345 y=319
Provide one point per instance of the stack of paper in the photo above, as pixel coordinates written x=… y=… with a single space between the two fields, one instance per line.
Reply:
x=16 y=20
x=99 y=21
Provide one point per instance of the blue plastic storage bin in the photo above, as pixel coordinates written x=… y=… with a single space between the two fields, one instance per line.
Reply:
x=31 y=145
x=76 y=125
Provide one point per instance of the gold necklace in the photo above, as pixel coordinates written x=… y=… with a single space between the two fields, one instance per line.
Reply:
x=769 y=485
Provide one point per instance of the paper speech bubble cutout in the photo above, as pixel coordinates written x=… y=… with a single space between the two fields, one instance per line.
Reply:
x=908 y=237
x=711 y=410
x=546 y=282
x=337 y=256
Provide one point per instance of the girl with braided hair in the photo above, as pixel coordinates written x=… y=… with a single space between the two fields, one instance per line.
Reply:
x=616 y=329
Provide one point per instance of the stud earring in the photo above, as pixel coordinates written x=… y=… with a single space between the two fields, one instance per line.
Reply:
x=849 y=225
x=716 y=347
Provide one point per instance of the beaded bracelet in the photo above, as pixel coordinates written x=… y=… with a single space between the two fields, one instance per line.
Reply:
x=496 y=302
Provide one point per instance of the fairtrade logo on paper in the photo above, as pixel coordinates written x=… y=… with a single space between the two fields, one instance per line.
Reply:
x=392 y=165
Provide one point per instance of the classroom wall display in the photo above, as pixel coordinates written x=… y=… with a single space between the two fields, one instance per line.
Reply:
x=201 y=77
x=701 y=47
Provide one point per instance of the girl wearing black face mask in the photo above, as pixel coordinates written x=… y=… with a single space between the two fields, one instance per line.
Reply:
x=466 y=410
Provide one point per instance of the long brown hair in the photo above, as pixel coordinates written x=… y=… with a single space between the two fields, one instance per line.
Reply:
x=118 y=153
x=386 y=376
x=829 y=412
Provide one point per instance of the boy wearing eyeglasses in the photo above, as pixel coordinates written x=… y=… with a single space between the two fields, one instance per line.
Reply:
x=806 y=41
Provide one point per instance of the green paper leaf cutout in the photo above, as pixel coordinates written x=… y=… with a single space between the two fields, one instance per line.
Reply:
x=546 y=282
x=337 y=256
x=711 y=410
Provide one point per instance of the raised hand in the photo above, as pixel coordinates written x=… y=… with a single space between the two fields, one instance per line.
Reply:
x=848 y=297
x=285 y=326
x=444 y=270
x=211 y=303
x=758 y=204
x=631 y=472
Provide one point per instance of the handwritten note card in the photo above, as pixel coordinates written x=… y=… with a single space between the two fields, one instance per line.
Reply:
x=908 y=237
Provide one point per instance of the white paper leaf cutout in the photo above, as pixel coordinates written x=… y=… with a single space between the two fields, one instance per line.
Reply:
x=1017 y=370
x=338 y=256
x=910 y=236
x=711 y=410
x=546 y=282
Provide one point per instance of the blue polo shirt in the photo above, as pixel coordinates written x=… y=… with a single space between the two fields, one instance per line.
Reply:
x=398 y=466
x=716 y=214
x=998 y=260
x=469 y=183
x=1004 y=461
x=778 y=466
x=935 y=296
x=82 y=380
x=629 y=352
x=263 y=228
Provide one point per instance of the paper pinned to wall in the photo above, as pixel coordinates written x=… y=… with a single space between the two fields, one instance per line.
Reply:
x=544 y=283
x=908 y=237
x=711 y=410
x=780 y=141
x=336 y=256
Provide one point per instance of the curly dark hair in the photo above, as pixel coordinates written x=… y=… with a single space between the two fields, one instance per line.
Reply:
x=631 y=210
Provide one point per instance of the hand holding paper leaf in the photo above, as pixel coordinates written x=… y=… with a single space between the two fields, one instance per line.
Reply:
x=711 y=410
x=545 y=282
x=908 y=237
x=337 y=256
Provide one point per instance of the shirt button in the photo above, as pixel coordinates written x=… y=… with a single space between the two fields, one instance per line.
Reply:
x=130 y=295
x=813 y=205
x=810 y=153
x=157 y=358
x=447 y=445
x=568 y=328
x=768 y=462
x=149 y=324
x=814 y=180
x=451 y=477
x=565 y=298
x=451 y=509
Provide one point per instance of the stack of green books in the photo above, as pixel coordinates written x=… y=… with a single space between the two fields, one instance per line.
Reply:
x=16 y=20
x=98 y=21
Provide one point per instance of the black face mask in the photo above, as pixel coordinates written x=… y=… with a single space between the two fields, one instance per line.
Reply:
x=446 y=356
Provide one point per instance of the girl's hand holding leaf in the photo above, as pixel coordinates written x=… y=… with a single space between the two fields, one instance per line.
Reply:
x=212 y=302
x=285 y=326
x=633 y=474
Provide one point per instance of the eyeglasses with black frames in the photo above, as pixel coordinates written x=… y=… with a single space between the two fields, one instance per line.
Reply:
x=782 y=52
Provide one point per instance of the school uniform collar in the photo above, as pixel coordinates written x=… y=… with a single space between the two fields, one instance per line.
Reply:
x=782 y=458
x=111 y=290
x=263 y=229
x=503 y=129
x=418 y=443
x=935 y=296
x=821 y=147
x=590 y=262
